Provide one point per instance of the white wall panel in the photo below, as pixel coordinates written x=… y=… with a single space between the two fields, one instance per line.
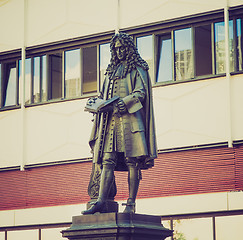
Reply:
x=142 y=12
x=56 y=20
x=196 y=203
x=48 y=21
x=11 y=24
x=190 y=113
x=58 y=132
x=10 y=138
x=237 y=107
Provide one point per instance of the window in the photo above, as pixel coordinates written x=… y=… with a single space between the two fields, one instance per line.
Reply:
x=104 y=50
x=36 y=80
x=220 y=46
x=239 y=41
x=43 y=73
x=145 y=48
x=9 y=84
x=187 y=53
x=52 y=233
x=27 y=79
x=229 y=227
x=72 y=73
x=55 y=64
x=183 y=54
x=165 y=64
x=203 y=50
x=24 y=234
x=192 y=229
x=89 y=70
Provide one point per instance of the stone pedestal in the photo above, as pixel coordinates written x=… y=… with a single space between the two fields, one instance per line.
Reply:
x=116 y=226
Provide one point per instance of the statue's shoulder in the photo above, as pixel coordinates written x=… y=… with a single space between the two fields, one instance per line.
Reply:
x=142 y=72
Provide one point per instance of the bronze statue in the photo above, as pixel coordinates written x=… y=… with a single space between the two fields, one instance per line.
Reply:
x=123 y=135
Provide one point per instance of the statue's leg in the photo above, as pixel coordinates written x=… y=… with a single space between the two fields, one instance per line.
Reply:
x=134 y=176
x=106 y=181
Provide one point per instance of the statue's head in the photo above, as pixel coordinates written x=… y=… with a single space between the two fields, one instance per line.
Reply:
x=120 y=50
x=123 y=49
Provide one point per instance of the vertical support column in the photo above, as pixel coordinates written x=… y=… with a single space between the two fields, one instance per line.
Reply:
x=227 y=68
x=22 y=92
x=22 y=97
x=118 y=17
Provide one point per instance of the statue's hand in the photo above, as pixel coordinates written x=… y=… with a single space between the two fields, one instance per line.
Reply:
x=120 y=107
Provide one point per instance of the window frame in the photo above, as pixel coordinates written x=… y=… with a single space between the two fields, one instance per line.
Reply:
x=3 y=88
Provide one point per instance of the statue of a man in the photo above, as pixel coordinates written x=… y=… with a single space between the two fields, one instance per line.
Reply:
x=123 y=138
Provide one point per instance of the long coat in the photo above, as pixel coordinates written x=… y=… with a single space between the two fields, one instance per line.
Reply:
x=137 y=123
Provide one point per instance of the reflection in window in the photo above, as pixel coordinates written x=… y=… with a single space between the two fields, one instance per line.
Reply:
x=53 y=234
x=229 y=227
x=10 y=85
x=105 y=56
x=239 y=43
x=164 y=70
x=145 y=48
x=72 y=73
x=44 y=79
x=193 y=229
x=183 y=54
x=203 y=50
x=56 y=75
x=220 y=46
x=89 y=70
x=36 y=80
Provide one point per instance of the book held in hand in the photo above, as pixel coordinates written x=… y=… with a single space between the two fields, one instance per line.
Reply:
x=96 y=105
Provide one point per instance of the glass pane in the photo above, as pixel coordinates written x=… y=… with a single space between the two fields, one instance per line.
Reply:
x=183 y=54
x=44 y=80
x=193 y=229
x=11 y=85
x=228 y=228
x=2 y=234
x=220 y=46
x=145 y=48
x=89 y=70
x=105 y=56
x=36 y=80
x=239 y=43
x=203 y=50
x=164 y=71
x=72 y=74
x=53 y=234
x=23 y=235
x=27 y=79
x=56 y=75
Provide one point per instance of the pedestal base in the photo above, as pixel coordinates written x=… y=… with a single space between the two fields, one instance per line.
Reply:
x=116 y=226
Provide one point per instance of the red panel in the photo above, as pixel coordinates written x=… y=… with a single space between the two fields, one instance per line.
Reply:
x=176 y=173
x=239 y=168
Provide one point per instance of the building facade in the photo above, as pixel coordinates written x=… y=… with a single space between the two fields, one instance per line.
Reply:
x=53 y=55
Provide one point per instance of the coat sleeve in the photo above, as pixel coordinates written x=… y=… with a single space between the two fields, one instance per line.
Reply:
x=133 y=101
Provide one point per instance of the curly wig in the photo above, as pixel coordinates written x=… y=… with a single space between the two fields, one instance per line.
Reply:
x=133 y=58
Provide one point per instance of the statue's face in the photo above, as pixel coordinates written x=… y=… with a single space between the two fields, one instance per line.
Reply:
x=120 y=50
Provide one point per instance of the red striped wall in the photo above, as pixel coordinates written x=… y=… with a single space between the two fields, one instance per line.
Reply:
x=175 y=173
